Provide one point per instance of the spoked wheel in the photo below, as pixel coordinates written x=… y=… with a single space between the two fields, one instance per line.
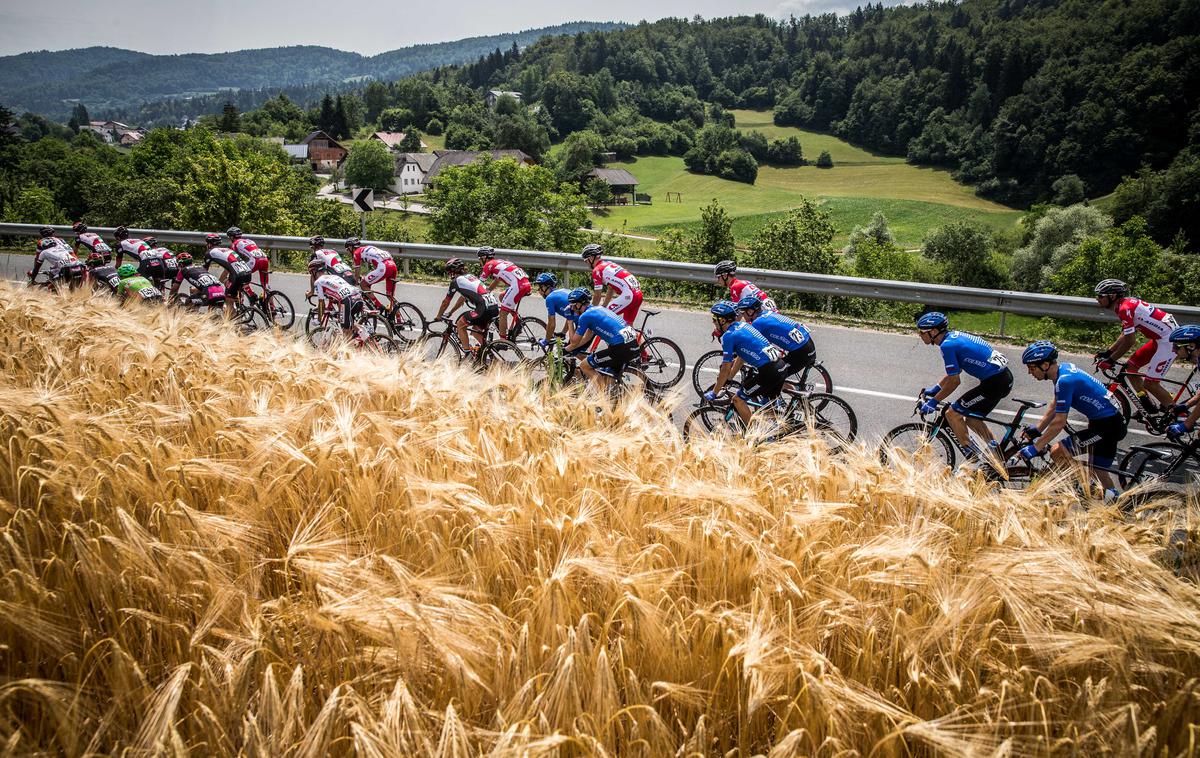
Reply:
x=830 y=417
x=408 y=324
x=381 y=344
x=324 y=336
x=718 y=420
x=525 y=335
x=662 y=363
x=816 y=379
x=917 y=441
x=374 y=325
x=247 y=319
x=500 y=353
x=704 y=371
x=632 y=383
x=279 y=309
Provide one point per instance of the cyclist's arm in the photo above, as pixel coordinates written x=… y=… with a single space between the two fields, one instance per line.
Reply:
x=551 y=322
x=608 y=296
x=1189 y=423
x=1122 y=345
x=37 y=266
x=579 y=340
x=727 y=372
x=1057 y=422
x=949 y=384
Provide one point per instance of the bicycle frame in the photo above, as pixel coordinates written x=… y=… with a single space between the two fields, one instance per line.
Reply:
x=1011 y=428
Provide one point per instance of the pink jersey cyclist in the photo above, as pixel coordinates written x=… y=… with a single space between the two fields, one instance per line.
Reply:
x=381 y=262
x=248 y=250
x=1153 y=358
x=513 y=276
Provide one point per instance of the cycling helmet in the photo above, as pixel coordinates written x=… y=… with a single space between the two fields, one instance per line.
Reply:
x=725 y=267
x=932 y=320
x=591 y=249
x=1039 y=352
x=315 y=264
x=46 y=243
x=184 y=258
x=212 y=240
x=749 y=303
x=316 y=241
x=486 y=253
x=723 y=309
x=94 y=259
x=151 y=241
x=127 y=270
x=79 y=227
x=121 y=233
x=352 y=243
x=1111 y=287
x=233 y=232
x=1186 y=335
x=579 y=295
x=455 y=265
x=46 y=231
x=547 y=279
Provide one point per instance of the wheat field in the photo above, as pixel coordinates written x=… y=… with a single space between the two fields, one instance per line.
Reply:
x=222 y=546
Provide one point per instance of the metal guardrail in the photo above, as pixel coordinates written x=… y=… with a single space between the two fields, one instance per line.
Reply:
x=938 y=295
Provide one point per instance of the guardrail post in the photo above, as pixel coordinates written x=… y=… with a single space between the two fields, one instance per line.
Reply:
x=1002 y=315
x=564 y=276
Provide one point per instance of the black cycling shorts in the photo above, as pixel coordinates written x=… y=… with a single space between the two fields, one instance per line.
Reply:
x=1099 y=440
x=482 y=318
x=801 y=358
x=983 y=397
x=351 y=307
x=764 y=382
x=152 y=268
x=236 y=283
x=613 y=360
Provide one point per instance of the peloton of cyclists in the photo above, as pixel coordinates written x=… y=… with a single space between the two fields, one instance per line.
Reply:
x=509 y=275
x=726 y=273
x=484 y=306
x=742 y=344
x=1149 y=362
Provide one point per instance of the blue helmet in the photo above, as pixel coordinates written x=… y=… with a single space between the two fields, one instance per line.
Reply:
x=546 y=278
x=1186 y=335
x=579 y=295
x=932 y=320
x=1040 y=351
x=749 y=303
x=723 y=309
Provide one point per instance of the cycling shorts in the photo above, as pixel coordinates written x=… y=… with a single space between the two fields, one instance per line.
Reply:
x=613 y=360
x=351 y=307
x=513 y=295
x=764 y=382
x=1099 y=440
x=483 y=317
x=981 y=399
x=385 y=270
x=70 y=271
x=801 y=358
x=1153 y=359
x=626 y=305
x=153 y=269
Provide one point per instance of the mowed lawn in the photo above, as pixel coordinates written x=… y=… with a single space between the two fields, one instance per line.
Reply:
x=915 y=200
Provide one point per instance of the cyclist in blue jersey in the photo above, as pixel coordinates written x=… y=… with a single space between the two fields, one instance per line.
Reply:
x=1185 y=341
x=783 y=332
x=556 y=307
x=594 y=321
x=1078 y=390
x=742 y=344
x=965 y=353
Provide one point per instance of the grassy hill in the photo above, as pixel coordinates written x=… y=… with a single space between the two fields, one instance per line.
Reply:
x=914 y=199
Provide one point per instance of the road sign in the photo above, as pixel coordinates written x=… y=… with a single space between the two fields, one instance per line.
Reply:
x=364 y=199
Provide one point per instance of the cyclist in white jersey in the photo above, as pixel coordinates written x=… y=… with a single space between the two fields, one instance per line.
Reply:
x=1150 y=362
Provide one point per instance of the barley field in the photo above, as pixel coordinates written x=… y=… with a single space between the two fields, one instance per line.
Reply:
x=220 y=546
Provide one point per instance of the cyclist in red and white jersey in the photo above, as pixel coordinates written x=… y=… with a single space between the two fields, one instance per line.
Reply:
x=126 y=245
x=612 y=286
x=340 y=294
x=512 y=276
x=91 y=241
x=332 y=262
x=738 y=288
x=381 y=262
x=484 y=308
x=235 y=274
x=56 y=257
x=1152 y=360
x=248 y=250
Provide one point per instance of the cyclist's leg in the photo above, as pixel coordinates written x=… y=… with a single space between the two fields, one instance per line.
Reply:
x=508 y=305
x=1156 y=368
x=978 y=401
x=804 y=357
x=389 y=279
x=1136 y=363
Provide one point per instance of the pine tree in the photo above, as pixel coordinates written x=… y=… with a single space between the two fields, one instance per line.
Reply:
x=328 y=115
x=231 y=120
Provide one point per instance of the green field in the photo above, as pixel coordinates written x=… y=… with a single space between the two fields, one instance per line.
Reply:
x=914 y=199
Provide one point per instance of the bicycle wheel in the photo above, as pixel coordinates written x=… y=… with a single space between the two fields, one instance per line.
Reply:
x=1180 y=469
x=1123 y=401
x=917 y=441
x=279 y=308
x=662 y=363
x=718 y=420
x=408 y=324
x=324 y=336
x=373 y=325
x=247 y=319
x=381 y=344
x=704 y=370
x=830 y=417
x=1135 y=460
x=525 y=335
x=632 y=383
x=499 y=353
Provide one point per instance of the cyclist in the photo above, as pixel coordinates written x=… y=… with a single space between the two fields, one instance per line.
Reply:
x=93 y=242
x=740 y=288
x=596 y=322
x=484 y=306
x=126 y=245
x=235 y=274
x=785 y=333
x=101 y=273
x=334 y=289
x=383 y=267
x=614 y=287
x=742 y=344
x=205 y=288
x=1151 y=361
x=332 y=263
x=61 y=264
x=248 y=250
x=1185 y=341
x=134 y=283
x=516 y=282
x=962 y=352
x=170 y=267
x=556 y=307
x=1079 y=390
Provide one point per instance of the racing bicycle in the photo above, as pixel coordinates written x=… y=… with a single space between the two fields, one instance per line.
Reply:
x=828 y=416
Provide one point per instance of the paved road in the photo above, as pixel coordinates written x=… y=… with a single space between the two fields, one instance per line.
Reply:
x=878 y=373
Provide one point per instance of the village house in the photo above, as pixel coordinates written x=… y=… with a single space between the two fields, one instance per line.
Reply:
x=411 y=170
x=115 y=133
x=493 y=95
x=463 y=157
x=393 y=139
x=319 y=150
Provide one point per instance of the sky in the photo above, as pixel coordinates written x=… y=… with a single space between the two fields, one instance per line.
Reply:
x=210 y=26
